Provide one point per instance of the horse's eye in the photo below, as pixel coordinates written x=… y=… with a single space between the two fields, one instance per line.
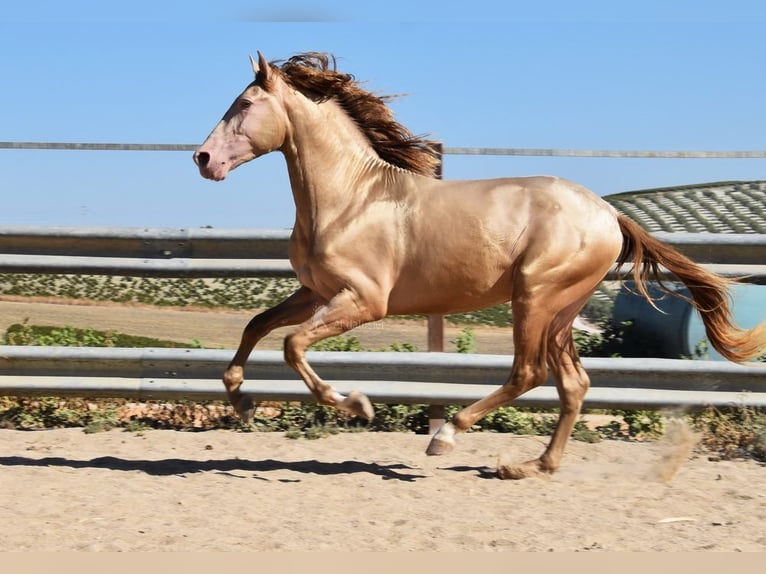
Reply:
x=245 y=104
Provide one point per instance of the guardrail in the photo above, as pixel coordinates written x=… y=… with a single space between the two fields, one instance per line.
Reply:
x=145 y=252
x=394 y=378
x=420 y=378
x=163 y=252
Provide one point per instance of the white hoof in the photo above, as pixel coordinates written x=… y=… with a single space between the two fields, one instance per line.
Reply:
x=443 y=441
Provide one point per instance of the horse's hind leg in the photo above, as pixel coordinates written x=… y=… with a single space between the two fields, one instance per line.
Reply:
x=295 y=309
x=530 y=328
x=572 y=384
x=539 y=338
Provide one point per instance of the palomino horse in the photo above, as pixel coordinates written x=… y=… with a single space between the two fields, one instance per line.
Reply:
x=376 y=234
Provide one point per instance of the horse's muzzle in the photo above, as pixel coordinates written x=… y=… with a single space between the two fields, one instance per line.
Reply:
x=202 y=159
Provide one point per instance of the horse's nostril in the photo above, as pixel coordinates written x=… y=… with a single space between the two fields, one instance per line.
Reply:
x=201 y=158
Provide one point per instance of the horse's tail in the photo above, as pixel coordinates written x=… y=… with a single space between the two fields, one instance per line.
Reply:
x=709 y=292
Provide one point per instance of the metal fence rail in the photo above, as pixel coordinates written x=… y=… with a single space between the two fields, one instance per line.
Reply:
x=167 y=252
x=396 y=378
x=550 y=152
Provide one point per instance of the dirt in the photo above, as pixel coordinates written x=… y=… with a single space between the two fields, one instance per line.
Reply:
x=65 y=490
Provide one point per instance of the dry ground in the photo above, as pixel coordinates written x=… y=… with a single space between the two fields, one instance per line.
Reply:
x=225 y=490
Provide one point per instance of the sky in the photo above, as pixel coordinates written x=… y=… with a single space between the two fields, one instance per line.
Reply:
x=621 y=75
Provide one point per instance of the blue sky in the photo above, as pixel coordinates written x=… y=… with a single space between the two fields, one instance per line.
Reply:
x=653 y=75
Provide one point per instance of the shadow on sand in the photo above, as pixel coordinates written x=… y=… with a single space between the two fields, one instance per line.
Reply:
x=177 y=466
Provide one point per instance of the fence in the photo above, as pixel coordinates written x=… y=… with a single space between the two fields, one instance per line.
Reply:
x=539 y=152
x=164 y=252
x=435 y=379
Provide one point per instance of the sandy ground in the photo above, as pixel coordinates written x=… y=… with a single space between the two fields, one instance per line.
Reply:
x=227 y=490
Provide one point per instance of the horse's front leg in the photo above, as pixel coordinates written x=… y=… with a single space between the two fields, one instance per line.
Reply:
x=344 y=312
x=295 y=309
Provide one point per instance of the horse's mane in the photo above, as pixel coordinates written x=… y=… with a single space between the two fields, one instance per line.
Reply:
x=314 y=75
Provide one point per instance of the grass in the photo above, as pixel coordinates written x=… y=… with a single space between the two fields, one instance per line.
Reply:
x=48 y=336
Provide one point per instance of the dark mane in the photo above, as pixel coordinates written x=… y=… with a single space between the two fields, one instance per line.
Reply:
x=314 y=75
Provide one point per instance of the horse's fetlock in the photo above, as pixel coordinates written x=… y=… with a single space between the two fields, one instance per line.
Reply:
x=233 y=378
x=461 y=422
x=546 y=464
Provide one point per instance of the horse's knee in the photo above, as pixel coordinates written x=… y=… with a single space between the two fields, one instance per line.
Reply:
x=572 y=391
x=527 y=376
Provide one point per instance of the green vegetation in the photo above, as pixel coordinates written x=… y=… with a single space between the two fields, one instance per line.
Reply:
x=465 y=342
x=497 y=316
x=733 y=433
x=46 y=336
x=352 y=344
x=230 y=293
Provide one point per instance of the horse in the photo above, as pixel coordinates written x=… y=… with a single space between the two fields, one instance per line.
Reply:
x=376 y=233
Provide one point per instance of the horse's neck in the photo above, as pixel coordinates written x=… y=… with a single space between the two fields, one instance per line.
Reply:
x=330 y=163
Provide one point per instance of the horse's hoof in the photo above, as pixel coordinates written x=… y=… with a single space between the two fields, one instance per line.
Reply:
x=245 y=408
x=530 y=469
x=443 y=441
x=439 y=447
x=358 y=405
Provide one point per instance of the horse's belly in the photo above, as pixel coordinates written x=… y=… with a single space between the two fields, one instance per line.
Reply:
x=448 y=295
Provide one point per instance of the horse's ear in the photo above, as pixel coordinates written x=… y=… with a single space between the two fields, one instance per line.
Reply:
x=261 y=67
x=254 y=64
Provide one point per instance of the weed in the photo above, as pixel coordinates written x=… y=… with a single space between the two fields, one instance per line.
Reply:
x=465 y=342
x=733 y=433
x=136 y=426
x=347 y=343
x=497 y=316
x=582 y=433
x=644 y=424
x=25 y=334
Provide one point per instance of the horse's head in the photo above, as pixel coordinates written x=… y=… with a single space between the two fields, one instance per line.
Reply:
x=254 y=125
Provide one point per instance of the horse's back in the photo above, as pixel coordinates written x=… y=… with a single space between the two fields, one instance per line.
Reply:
x=469 y=239
x=515 y=204
x=541 y=190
